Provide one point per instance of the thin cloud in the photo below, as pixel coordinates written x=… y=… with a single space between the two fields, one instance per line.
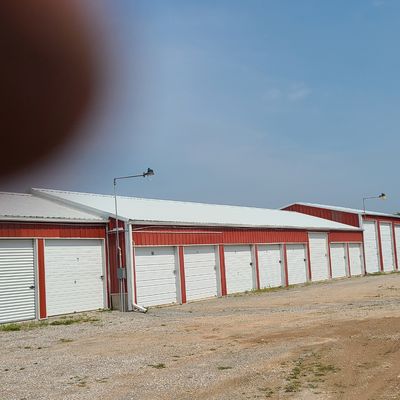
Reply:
x=299 y=92
x=378 y=3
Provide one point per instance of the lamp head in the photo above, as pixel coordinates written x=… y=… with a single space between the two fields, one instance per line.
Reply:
x=149 y=172
x=382 y=196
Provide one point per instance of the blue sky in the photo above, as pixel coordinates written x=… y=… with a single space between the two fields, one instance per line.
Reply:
x=258 y=103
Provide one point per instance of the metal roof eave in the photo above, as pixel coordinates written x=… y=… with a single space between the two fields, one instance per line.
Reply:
x=77 y=206
x=45 y=219
x=221 y=225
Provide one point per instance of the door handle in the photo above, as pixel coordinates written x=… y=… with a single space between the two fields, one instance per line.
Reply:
x=32 y=287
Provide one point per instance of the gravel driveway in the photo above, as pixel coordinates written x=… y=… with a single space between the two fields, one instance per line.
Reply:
x=336 y=340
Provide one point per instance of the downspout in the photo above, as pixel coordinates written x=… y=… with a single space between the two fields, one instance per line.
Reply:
x=108 y=267
x=132 y=306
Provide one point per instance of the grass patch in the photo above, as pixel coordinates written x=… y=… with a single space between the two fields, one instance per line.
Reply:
x=158 y=366
x=268 y=392
x=62 y=340
x=307 y=371
x=10 y=327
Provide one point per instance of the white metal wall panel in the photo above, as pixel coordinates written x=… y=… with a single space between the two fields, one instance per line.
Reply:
x=156 y=275
x=200 y=272
x=338 y=260
x=387 y=246
x=270 y=265
x=17 y=280
x=319 y=256
x=355 y=255
x=74 y=275
x=371 y=247
x=296 y=263
x=238 y=269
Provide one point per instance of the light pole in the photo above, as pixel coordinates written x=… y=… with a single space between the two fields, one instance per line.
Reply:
x=382 y=196
x=120 y=270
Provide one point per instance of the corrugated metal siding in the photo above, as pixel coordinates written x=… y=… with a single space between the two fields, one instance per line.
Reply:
x=17 y=280
x=332 y=215
x=345 y=237
x=192 y=236
x=112 y=255
x=55 y=230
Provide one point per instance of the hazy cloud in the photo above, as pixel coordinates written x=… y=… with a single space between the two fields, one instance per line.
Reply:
x=299 y=92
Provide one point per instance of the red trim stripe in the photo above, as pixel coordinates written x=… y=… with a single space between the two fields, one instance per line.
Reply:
x=182 y=273
x=41 y=279
x=221 y=252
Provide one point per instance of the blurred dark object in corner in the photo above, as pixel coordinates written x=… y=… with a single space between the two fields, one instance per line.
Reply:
x=46 y=78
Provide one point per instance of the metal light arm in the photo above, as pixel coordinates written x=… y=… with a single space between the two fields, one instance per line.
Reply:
x=382 y=196
x=149 y=172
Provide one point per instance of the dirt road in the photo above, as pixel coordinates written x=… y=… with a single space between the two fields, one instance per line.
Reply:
x=336 y=340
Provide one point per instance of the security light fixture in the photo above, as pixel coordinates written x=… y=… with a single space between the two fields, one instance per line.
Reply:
x=120 y=270
x=382 y=196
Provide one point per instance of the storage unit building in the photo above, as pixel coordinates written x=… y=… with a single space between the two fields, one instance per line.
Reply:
x=179 y=251
x=381 y=236
x=52 y=259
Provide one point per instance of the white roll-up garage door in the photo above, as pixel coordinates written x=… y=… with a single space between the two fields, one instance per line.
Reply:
x=319 y=256
x=397 y=236
x=356 y=261
x=338 y=260
x=74 y=275
x=200 y=272
x=371 y=247
x=238 y=269
x=387 y=246
x=156 y=275
x=296 y=263
x=17 y=280
x=270 y=265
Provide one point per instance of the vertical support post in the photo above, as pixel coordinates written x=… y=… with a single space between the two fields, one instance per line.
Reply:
x=396 y=260
x=380 y=245
x=285 y=260
x=41 y=279
x=255 y=258
x=329 y=259
x=182 y=273
x=221 y=253
x=348 y=260
x=309 y=259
